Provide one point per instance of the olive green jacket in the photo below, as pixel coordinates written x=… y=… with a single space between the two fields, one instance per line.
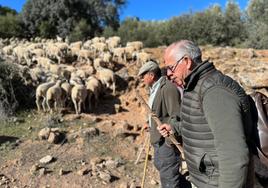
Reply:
x=166 y=106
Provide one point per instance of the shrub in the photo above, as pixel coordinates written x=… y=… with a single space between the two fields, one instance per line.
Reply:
x=14 y=93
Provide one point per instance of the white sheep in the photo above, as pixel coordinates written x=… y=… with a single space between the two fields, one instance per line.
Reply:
x=142 y=57
x=76 y=45
x=54 y=95
x=79 y=95
x=99 y=47
x=98 y=39
x=40 y=94
x=119 y=54
x=113 y=42
x=137 y=45
x=66 y=92
x=94 y=88
x=107 y=77
x=129 y=50
x=85 y=55
x=43 y=62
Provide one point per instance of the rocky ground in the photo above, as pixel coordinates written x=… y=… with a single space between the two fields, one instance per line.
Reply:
x=100 y=149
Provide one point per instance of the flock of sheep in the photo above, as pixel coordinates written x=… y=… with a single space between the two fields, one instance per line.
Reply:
x=77 y=72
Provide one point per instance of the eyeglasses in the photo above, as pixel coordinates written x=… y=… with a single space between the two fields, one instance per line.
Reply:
x=173 y=67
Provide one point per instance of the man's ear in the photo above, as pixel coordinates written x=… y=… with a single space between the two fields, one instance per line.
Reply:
x=189 y=63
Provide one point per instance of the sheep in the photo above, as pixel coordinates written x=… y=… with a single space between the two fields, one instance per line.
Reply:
x=54 y=94
x=43 y=62
x=38 y=53
x=107 y=77
x=76 y=44
x=113 y=42
x=40 y=93
x=57 y=50
x=82 y=74
x=99 y=47
x=97 y=63
x=98 y=39
x=87 y=44
x=7 y=50
x=137 y=45
x=85 y=54
x=38 y=75
x=54 y=52
x=129 y=50
x=107 y=60
x=55 y=69
x=58 y=38
x=142 y=57
x=79 y=95
x=21 y=53
x=119 y=54
x=94 y=87
x=66 y=92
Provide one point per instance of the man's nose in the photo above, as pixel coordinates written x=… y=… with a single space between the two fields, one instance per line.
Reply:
x=169 y=73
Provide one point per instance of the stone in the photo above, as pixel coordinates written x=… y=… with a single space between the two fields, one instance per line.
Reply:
x=95 y=161
x=45 y=160
x=55 y=129
x=83 y=171
x=34 y=168
x=153 y=182
x=106 y=176
x=54 y=137
x=91 y=132
x=62 y=172
x=42 y=171
x=118 y=108
x=136 y=128
x=44 y=133
x=111 y=164
x=123 y=185
x=132 y=185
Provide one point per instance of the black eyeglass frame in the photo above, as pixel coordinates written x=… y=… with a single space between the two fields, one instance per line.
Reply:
x=173 y=67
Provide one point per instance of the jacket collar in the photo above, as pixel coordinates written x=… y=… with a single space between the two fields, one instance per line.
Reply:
x=197 y=73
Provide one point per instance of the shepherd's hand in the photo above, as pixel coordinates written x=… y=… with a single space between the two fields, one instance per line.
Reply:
x=165 y=130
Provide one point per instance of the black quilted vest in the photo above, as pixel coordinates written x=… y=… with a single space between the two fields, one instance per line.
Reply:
x=198 y=140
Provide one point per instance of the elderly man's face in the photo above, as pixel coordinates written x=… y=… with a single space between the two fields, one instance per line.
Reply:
x=148 y=78
x=176 y=69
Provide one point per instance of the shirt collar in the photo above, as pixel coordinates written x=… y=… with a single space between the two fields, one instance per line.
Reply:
x=155 y=85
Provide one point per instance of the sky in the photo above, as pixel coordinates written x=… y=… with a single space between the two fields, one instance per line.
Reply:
x=151 y=9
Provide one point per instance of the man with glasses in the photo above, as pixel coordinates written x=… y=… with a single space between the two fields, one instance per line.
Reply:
x=164 y=100
x=214 y=114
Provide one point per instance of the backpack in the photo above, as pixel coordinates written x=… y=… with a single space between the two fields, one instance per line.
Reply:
x=259 y=111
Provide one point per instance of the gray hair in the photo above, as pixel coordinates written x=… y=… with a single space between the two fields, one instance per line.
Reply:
x=186 y=47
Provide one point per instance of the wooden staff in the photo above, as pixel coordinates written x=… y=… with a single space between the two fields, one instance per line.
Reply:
x=159 y=123
x=146 y=162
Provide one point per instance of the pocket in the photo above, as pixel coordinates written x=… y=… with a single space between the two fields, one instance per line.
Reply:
x=206 y=165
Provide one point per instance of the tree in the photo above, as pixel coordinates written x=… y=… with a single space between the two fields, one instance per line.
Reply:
x=6 y=10
x=257 y=24
x=258 y=10
x=46 y=30
x=234 y=26
x=178 y=28
x=216 y=28
x=10 y=26
x=80 y=31
x=63 y=15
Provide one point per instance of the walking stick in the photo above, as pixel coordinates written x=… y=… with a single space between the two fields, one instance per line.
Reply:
x=159 y=123
x=142 y=148
x=145 y=163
